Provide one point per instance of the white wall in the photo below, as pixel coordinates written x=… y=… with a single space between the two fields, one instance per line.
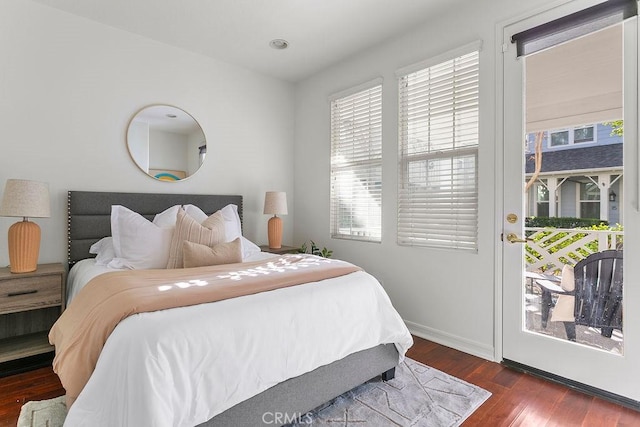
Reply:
x=168 y=150
x=69 y=86
x=447 y=296
x=138 y=143
x=195 y=141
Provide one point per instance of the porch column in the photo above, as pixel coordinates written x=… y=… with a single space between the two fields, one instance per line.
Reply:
x=552 y=186
x=604 y=183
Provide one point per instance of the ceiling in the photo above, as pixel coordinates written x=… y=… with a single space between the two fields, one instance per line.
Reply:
x=320 y=32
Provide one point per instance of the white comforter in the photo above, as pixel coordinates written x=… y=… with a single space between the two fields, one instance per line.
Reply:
x=181 y=367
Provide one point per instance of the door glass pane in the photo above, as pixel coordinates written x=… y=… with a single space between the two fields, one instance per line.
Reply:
x=564 y=299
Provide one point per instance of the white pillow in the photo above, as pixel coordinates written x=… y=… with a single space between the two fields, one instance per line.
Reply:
x=167 y=218
x=196 y=213
x=232 y=224
x=104 y=251
x=138 y=243
x=233 y=230
x=248 y=248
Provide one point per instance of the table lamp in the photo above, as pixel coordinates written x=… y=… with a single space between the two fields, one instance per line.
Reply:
x=23 y=198
x=275 y=202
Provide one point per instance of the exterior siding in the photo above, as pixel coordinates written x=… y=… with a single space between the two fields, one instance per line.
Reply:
x=614 y=207
x=603 y=137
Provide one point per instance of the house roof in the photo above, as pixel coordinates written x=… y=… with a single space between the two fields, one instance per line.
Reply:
x=598 y=157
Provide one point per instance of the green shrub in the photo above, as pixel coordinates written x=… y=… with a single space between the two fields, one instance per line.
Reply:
x=564 y=222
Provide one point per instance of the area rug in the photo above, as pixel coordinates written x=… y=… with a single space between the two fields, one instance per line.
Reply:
x=418 y=396
x=43 y=413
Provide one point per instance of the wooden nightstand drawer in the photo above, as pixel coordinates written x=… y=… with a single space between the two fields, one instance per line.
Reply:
x=30 y=303
x=28 y=293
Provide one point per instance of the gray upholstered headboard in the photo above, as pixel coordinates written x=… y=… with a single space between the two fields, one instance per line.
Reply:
x=89 y=213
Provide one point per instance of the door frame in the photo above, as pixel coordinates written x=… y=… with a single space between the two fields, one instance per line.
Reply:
x=500 y=47
x=558 y=8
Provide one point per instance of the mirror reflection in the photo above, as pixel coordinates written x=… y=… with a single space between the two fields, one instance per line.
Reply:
x=166 y=142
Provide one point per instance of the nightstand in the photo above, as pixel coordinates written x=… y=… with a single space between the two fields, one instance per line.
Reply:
x=30 y=303
x=283 y=250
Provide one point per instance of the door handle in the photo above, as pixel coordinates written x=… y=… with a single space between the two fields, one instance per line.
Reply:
x=513 y=238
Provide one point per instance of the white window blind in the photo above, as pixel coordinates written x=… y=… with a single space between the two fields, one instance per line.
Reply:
x=438 y=170
x=356 y=165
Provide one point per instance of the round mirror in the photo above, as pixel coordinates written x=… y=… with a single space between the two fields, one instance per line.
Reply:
x=166 y=142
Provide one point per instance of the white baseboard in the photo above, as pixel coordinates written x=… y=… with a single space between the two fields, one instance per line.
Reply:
x=468 y=346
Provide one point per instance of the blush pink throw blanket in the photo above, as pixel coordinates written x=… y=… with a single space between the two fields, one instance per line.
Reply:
x=81 y=332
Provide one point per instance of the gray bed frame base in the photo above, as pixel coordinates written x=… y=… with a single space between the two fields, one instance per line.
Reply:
x=89 y=220
x=297 y=396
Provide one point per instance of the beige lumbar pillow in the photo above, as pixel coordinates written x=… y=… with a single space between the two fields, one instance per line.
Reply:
x=197 y=255
x=210 y=233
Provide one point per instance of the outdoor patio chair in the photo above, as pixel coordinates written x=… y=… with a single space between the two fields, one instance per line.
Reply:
x=598 y=293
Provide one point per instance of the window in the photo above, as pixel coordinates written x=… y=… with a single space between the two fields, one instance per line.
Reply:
x=560 y=138
x=356 y=164
x=572 y=136
x=438 y=138
x=542 y=199
x=583 y=135
x=590 y=199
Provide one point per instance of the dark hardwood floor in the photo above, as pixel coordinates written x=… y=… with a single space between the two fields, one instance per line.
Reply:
x=520 y=399
x=16 y=390
x=517 y=399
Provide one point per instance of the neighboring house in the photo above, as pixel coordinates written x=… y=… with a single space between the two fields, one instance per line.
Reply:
x=581 y=170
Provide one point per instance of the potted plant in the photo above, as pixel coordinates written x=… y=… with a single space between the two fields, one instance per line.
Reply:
x=313 y=249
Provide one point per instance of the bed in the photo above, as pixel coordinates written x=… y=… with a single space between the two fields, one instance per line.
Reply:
x=89 y=216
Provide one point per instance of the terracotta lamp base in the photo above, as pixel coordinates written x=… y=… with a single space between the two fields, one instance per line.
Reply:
x=275 y=232
x=24 y=246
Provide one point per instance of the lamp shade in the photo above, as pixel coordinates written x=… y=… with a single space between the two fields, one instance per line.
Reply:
x=275 y=202
x=24 y=198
